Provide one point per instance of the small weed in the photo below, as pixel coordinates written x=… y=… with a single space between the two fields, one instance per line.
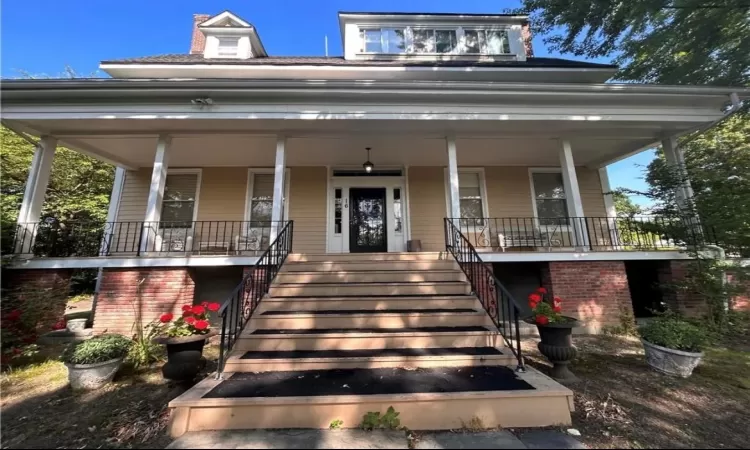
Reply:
x=336 y=424
x=374 y=421
x=627 y=326
x=474 y=425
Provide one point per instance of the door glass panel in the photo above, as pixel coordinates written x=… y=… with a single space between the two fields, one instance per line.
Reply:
x=337 y=211
x=367 y=221
x=397 y=210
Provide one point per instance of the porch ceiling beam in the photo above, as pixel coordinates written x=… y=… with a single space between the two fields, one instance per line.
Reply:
x=97 y=153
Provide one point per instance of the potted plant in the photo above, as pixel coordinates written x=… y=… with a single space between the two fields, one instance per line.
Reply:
x=673 y=346
x=556 y=332
x=93 y=363
x=185 y=338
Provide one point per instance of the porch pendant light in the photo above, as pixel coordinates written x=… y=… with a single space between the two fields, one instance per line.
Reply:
x=368 y=165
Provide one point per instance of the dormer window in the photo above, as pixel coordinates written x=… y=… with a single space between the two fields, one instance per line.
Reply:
x=228 y=47
x=383 y=40
x=434 y=41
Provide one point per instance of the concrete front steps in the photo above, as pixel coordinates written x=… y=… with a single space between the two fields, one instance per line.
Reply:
x=369 y=312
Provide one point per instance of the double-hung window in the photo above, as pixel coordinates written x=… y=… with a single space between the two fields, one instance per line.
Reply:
x=470 y=198
x=486 y=42
x=429 y=40
x=178 y=204
x=228 y=47
x=550 y=201
x=261 y=202
x=383 y=40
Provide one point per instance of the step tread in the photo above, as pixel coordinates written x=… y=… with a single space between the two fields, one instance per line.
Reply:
x=399 y=297
x=319 y=331
x=332 y=382
x=368 y=283
x=371 y=312
x=370 y=353
x=378 y=271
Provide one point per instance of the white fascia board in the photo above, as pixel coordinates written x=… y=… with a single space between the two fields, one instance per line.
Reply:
x=221 y=16
x=124 y=262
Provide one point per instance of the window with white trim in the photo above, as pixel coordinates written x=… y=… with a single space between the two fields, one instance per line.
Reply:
x=434 y=40
x=228 y=46
x=178 y=203
x=549 y=197
x=486 y=42
x=383 y=40
x=261 y=202
x=470 y=199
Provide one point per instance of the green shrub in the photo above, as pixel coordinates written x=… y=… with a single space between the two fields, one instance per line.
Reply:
x=675 y=333
x=99 y=349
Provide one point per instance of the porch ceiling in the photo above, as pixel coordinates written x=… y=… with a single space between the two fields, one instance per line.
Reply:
x=206 y=142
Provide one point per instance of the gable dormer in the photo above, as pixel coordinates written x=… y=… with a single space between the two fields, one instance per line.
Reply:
x=225 y=35
x=427 y=37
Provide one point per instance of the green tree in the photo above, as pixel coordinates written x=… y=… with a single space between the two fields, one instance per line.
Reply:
x=624 y=204
x=655 y=41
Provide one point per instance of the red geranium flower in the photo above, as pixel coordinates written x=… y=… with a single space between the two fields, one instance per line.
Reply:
x=201 y=324
x=190 y=320
x=59 y=325
x=198 y=309
x=542 y=320
x=557 y=309
x=166 y=317
x=186 y=308
x=557 y=299
x=204 y=304
x=14 y=315
x=542 y=290
x=535 y=298
x=213 y=306
x=188 y=313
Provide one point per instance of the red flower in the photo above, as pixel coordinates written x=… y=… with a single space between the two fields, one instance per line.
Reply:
x=534 y=299
x=542 y=320
x=198 y=309
x=190 y=320
x=188 y=313
x=204 y=304
x=542 y=290
x=201 y=324
x=166 y=317
x=557 y=309
x=557 y=300
x=59 y=325
x=13 y=315
x=186 y=308
x=214 y=307
x=16 y=351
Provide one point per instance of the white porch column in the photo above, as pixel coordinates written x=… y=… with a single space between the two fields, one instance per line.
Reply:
x=453 y=199
x=156 y=194
x=33 y=197
x=609 y=206
x=573 y=194
x=277 y=209
x=675 y=157
x=114 y=206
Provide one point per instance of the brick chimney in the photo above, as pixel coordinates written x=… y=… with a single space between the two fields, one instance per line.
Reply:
x=198 y=43
x=526 y=36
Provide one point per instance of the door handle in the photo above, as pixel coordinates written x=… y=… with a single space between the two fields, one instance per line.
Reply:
x=346 y=203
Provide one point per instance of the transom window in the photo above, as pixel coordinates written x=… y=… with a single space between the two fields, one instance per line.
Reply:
x=178 y=204
x=383 y=40
x=426 y=40
x=549 y=198
x=228 y=46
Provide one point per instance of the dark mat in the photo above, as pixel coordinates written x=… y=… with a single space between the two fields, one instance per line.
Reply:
x=325 y=312
x=368 y=382
x=461 y=351
x=370 y=330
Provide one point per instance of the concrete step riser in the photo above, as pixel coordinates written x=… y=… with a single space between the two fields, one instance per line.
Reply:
x=368 y=321
x=385 y=303
x=384 y=289
x=297 y=257
x=240 y=365
x=372 y=277
x=364 y=341
x=368 y=265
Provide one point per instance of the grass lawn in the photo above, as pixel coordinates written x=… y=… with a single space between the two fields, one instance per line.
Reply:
x=39 y=410
x=622 y=403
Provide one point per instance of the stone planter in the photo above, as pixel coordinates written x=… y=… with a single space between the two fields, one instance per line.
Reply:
x=557 y=346
x=76 y=325
x=184 y=356
x=93 y=376
x=671 y=362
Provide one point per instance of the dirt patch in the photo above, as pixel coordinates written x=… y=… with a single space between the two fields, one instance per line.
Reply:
x=39 y=409
x=622 y=403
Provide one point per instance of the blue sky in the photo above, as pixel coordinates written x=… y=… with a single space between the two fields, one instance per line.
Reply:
x=44 y=36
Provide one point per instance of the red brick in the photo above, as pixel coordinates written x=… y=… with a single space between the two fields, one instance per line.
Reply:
x=198 y=42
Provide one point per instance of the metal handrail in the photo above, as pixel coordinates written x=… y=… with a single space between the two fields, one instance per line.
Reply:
x=239 y=307
x=501 y=306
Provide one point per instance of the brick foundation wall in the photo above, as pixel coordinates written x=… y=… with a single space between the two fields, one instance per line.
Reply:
x=125 y=294
x=591 y=291
x=47 y=287
x=740 y=302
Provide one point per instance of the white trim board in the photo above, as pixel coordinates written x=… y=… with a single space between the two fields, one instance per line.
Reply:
x=491 y=257
x=125 y=262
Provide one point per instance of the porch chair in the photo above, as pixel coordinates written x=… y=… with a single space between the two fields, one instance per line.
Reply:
x=529 y=238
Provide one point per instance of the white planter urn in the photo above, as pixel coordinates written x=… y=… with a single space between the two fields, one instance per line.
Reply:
x=93 y=376
x=671 y=362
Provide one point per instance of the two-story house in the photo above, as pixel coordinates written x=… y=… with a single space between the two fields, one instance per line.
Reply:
x=391 y=207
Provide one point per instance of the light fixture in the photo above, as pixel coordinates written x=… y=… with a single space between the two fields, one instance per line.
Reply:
x=368 y=165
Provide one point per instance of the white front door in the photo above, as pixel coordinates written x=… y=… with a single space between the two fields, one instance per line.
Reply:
x=340 y=211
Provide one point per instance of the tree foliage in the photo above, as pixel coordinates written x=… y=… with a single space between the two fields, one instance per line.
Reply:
x=624 y=205
x=655 y=41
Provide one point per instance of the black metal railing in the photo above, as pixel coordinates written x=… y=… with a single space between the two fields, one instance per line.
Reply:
x=237 y=310
x=55 y=239
x=639 y=233
x=502 y=307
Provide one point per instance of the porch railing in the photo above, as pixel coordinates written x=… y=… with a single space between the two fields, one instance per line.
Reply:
x=54 y=239
x=502 y=307
x=640 y=233
x=244 y=299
